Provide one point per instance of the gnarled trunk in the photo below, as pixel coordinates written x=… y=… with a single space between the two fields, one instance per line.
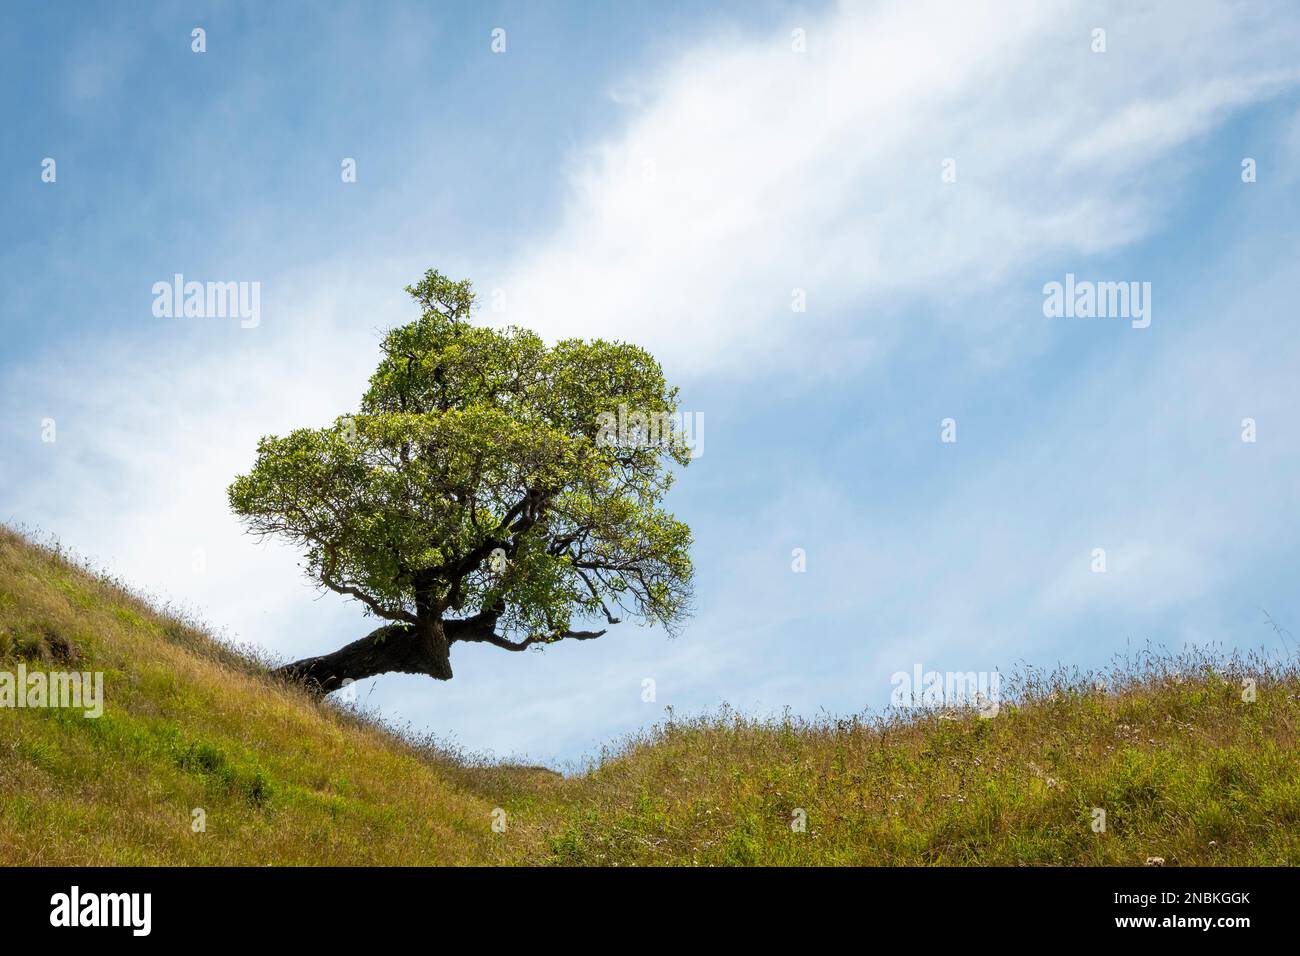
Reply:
x=409 y=648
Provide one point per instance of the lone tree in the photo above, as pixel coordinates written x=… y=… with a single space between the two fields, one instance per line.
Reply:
x=478 y=494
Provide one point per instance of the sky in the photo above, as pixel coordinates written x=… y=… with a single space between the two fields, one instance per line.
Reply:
x=833 y=224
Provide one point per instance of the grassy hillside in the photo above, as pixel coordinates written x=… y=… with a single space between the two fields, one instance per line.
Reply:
x=1184 y=768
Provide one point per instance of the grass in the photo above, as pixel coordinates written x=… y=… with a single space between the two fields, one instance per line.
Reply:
x=1183 y=767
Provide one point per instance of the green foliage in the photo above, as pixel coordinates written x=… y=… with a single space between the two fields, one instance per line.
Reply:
x=475 y=478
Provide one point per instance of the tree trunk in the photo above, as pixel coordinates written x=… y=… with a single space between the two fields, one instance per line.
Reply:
x=409 y=648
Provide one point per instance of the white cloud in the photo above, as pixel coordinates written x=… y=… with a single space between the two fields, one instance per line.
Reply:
x=753 y=170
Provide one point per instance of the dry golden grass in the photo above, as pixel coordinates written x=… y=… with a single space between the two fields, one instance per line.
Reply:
x=189 y=723
x=1184 y=767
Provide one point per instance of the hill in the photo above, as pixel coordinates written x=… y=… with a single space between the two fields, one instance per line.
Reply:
x=1183 y=764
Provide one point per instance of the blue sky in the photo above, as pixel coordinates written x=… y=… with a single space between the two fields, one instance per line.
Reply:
x=671 y=176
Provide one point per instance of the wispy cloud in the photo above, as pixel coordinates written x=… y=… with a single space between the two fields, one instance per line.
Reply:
x=754 y=170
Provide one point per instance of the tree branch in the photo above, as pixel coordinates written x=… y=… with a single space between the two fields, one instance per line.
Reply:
x=496 y=640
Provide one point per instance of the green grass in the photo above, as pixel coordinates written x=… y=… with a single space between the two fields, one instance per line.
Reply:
x=1182 y=766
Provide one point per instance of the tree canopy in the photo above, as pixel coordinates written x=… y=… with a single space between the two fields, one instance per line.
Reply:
x=478 y=495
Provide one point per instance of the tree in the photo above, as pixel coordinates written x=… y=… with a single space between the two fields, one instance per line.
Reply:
x=481 y=494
